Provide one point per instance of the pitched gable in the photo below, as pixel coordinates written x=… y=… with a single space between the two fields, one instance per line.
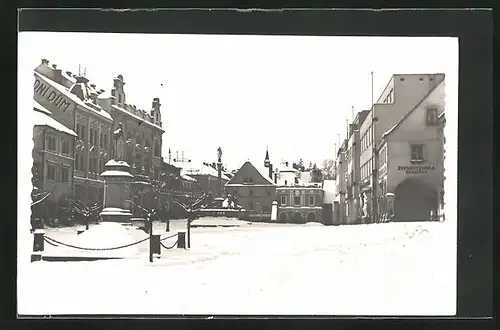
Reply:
x=434 y=99
x=249 y=175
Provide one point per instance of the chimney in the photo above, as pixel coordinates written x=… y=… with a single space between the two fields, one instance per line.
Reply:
x=81 y=80
x=45 y=61
x=92 y=85
x=93 y=97
x=54 y=66
x=271 y=171
x=286 y=164
x=156 y=103
x=69 y=73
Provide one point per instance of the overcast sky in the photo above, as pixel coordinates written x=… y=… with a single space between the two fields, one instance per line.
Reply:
x=292 y=93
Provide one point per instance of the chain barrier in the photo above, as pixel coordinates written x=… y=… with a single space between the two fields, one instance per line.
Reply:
x=94 y=249
x=46 y=240
x=169 y=247
x=168 y=237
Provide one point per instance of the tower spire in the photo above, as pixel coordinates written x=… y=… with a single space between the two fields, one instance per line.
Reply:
x=266 y=160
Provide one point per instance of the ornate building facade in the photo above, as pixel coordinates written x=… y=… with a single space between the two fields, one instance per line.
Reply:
x=73 y=103
x=94 y=114
x=143 y=139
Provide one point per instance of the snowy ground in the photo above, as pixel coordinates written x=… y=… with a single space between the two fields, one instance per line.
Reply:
x=383 y=269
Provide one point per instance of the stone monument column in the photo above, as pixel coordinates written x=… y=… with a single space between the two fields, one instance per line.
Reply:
x=117 y=183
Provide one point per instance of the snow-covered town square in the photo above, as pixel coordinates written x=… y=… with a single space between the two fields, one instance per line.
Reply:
x=260 y=269
x=163 y=183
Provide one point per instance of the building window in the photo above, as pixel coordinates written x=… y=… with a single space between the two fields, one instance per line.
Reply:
x=296 y=200
x=101 y=165
x=51 y=143
x=91 y=136
x=283 y=200
x=51 y=172
x=250 y=193
x=432 y=117
x=65 y=175
x=390 y=97
x=120 y=98
x=79 y=164
x=286 y=182
x=157 y=149
x=311 y=200
x=417 y=152
x=65 y=147
x=80 y=131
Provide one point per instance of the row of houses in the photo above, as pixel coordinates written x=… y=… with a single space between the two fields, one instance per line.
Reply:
x=74 y=121
x=391 y=163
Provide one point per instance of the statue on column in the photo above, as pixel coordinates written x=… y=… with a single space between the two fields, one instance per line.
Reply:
x=219 y=154
x=119 y=143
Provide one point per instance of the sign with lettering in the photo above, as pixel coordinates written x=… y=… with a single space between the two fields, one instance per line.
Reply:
x=417 y=169
x=52 y=95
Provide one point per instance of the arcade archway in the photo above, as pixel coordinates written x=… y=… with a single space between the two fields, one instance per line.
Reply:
x=283 y=217
x=414 y=200
x=297 y=217
x=311 y=217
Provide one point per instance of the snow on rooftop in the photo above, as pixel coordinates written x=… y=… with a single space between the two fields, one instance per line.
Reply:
x=63 y=90
x=41 y=108
x=139 y=118
x=105 y=95
x=264 y=171
x=43 y=119
x=113 y=162
x=115 y=173
x=198 y=168
x=389 y=131
x=187 y=177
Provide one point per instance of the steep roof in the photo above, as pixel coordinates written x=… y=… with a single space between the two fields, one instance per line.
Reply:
x=393 y=128
x=247 y=166
x=42 y=117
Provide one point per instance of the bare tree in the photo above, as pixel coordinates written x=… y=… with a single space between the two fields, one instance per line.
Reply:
x=316 y=174
x=84 y=210
x=328 y=169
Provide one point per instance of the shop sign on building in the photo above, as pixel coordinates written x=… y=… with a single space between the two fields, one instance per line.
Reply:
x=52 y=95
x=417 y=169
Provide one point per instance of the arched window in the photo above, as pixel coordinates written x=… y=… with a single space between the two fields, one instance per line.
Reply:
x=138 y=140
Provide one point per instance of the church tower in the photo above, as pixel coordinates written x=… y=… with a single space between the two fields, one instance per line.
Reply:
x=267 y=163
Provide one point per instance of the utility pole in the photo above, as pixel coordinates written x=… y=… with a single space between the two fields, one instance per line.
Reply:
x=374 y=162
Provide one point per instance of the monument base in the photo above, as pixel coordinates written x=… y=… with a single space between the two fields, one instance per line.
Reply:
x=114 y=214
